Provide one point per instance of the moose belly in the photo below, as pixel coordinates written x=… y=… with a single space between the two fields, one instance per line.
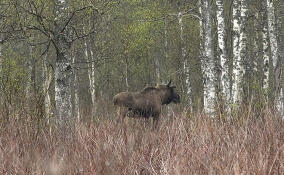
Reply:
x=138 y=112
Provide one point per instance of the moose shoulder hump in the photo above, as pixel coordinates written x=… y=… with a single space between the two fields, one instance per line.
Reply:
x=148 y=89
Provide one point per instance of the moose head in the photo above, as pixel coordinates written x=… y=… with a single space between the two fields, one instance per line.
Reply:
x=168 y=93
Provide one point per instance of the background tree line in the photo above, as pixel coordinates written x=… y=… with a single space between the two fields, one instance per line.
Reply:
x=68 y=58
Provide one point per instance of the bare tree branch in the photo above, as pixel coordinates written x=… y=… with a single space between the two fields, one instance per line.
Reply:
x=73 y=14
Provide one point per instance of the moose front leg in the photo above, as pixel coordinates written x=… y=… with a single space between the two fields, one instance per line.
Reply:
x=155 y=121
x=122 y=112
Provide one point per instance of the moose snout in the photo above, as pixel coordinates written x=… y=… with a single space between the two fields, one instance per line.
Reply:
x=176 y=99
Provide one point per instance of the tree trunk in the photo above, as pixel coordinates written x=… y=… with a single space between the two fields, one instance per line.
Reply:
x=76 y=105
x=47 y=75
x=91 y=75
x=237 y=68
x=243 y=53
x=166 y=49
x=126 y=73
x=272 y=31
x=1 y=66
x=63 y=87
x=183 y=55
x=225 y=79
x=63 y=69
x=265 y=46
x=157 y=65
x=208 y=64
x=199 y=101
x=31 y=80
x=166 y=39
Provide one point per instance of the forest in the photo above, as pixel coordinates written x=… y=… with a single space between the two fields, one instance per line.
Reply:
x=63 y=61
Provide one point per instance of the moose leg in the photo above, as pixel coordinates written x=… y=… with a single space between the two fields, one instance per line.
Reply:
x=155 y=121
x=122 y=111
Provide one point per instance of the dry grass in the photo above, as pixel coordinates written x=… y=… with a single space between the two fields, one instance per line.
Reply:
x=181 y=145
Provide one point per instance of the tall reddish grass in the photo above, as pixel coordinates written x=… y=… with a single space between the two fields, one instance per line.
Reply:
x=180 y=145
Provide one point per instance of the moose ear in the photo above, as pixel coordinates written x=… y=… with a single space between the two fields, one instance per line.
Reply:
x=169 y=83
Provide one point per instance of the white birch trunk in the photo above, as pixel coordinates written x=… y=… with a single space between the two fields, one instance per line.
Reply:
x=265 y=56
x=166 y=40
x=272 y=31
x=29 y=87
x=63 y=69
x=93 y=79
x=1 y=60
x=47 y=75
x=166 y=35
x=76 y=91
x=76 y=99
x=180 y=22
x=201 y=31
x=183 y=54
x=157 y=67
x=225 y=81
x=255 y=43
x=63 y=88
x=243 y=49
x=236 y=51
x=1 y=65
x=208 y=61
x=126 y=75
x=202 y=52
x=91 y=75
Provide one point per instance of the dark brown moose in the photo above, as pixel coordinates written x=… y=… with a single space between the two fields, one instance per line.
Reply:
x=146 y=103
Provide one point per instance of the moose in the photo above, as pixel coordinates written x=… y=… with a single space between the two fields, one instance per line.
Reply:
x=146 y=103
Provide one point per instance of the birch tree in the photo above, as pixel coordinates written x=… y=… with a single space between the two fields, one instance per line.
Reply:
x=237 y=67
x=180 y=16
x=75 y=84
x=47 y=75
x=63 y=69
x=166 y=38
x=272 y=31
x=31 y=83
x=157 y=67
x=265 y=46
x=208 y=62
x=225 y=79
x=1 y=64
x=0 y=57
x=243 y=50
x=89 y=56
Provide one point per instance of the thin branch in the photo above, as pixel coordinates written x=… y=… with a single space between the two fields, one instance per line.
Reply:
x=37 y=44
x=72 y=15
x=47 y=49
x=82 y=36
x=38 y=29
x=39 y=18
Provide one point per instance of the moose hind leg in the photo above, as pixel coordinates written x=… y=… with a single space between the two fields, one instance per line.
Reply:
x=155 y=121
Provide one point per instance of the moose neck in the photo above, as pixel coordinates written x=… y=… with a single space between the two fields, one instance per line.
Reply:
x=164 y=97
